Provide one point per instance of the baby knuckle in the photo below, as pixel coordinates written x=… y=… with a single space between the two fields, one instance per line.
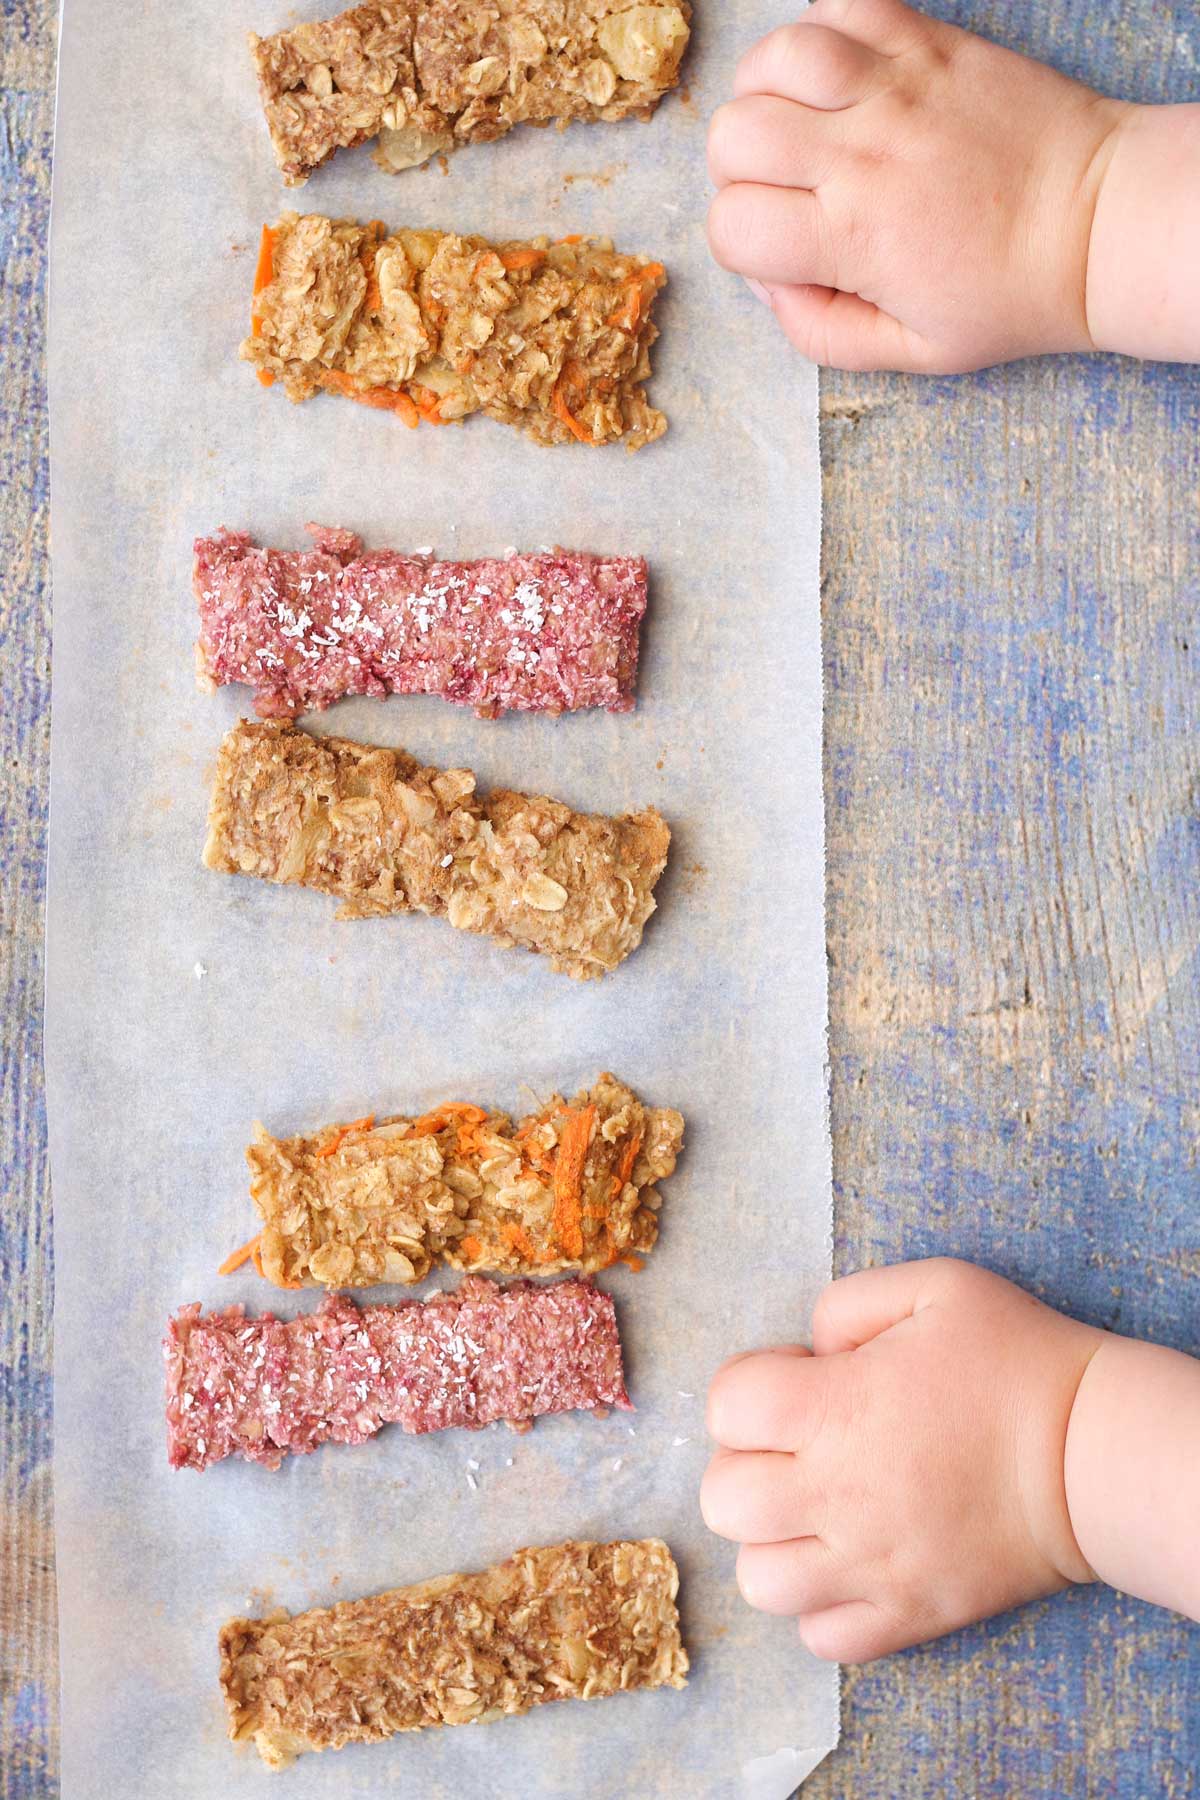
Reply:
x=727 y=228
x=951 y=1273
x=722 y=132
x=714 y=1496
x=819 y=1639
x=755 y=1583
x=772 y=62
x=716 y=1405
x=829 y=65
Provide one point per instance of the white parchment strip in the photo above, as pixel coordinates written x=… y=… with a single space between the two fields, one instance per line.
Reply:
x=163 y=177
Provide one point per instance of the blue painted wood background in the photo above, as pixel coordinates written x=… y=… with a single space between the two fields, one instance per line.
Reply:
x=1012 y=630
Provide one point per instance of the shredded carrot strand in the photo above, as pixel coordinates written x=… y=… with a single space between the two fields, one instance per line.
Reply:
x=563 y=411
x=533 y=1155
x=629 y=1156
x=238 y=1257
x=405 y=409
x=471 y=1246
x=629 y=312
x=264 y=273
x=342 y=1133
x=632 y=1262
x=427 y=404
x=574 y=237
x=450 y=1113
x=383 y=398
x=573 y=1143
x=526 y=258
x=624 y=1168
x=256 y=1259
x=519 y=1238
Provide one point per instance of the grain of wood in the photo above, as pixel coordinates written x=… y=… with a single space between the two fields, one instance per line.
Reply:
x=28 y=1653
x=1012 y=591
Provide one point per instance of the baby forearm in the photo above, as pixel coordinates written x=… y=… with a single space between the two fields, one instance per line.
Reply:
x=1143 y=277
x=1133 y=1471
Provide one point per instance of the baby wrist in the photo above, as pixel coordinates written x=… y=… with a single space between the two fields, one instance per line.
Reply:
x=1132 y=1470
x=1142 y=281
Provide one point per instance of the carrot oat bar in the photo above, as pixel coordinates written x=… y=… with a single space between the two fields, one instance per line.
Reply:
x=554 y=338
x=572 y=1621
x=263 y=1388
x=568 y=1188
x=388 y=836
x=551 y=632
x=426 y=76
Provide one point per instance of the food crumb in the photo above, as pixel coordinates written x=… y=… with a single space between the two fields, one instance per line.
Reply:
x=200 y=971
x=617 y=1465
x=679 y=1442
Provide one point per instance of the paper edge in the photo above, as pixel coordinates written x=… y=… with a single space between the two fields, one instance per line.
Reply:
x=780 y=1774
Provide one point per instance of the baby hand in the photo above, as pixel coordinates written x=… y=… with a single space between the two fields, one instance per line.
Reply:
x=906 y=1477
x=906 y=195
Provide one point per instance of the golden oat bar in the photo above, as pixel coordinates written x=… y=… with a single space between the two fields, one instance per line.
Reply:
x=573 y=1621
x=553 y=338
x=426 y=76
x=385 y=835
x=571 y=1187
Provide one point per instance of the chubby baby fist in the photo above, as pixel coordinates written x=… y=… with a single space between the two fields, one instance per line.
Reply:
x=906 y=195
x=905 y=1477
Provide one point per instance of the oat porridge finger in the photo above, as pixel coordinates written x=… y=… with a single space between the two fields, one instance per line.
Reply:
x=427 y=76
x=551 y=337
x=385 y=835
x=570 y=1187
x=567 y=1621
x=552 y=632
x=264 y=1388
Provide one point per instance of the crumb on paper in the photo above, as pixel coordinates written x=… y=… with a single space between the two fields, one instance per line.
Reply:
x=601 y=178
x=199 y=971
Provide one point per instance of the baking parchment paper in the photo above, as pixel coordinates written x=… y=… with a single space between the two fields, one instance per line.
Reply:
x=183 y=1005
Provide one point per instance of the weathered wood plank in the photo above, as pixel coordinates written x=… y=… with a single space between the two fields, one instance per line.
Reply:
x=1015 y=1025
x=1012 y=584
x=28 y=1650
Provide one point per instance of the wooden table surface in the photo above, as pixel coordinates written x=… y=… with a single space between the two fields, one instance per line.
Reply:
x=1012 y=633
